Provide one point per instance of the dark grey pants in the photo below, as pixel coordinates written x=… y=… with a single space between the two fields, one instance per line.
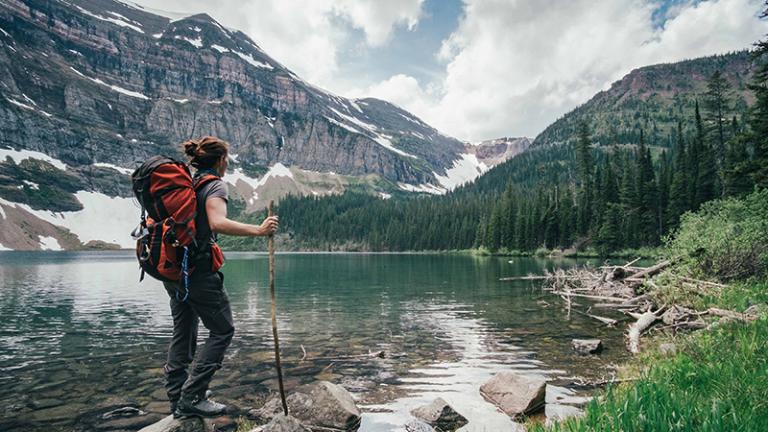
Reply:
x=207 y=302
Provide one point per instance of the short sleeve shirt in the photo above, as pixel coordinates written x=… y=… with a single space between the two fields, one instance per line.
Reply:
x=213 y=189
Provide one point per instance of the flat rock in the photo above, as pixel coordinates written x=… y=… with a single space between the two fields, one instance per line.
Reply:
x=557 y=413
x=170 y=424
x=515 y=394
x=440 y=415
x=129 y=423
x=587 y=346
x=282 y=423
x=317 y=405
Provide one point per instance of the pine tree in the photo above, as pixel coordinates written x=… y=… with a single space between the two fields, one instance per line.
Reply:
x=679 y=194
x=706 y=172
x=757 y=168
x=717 y=105
x=585 y=165
x=647 y=198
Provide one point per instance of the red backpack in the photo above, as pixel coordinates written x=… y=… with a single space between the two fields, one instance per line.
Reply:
x=165 y=239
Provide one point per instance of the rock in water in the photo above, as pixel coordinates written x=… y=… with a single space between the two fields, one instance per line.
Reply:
x=516 y=395
x=440 y=415
x=587 y=346
x=170 y=424
x=282 y=423
x=418 y=426
x=317 y=405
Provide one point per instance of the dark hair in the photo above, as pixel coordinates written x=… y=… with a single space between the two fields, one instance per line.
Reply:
x=206 y=151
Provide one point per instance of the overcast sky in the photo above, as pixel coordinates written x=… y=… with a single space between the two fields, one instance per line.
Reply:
x=481 y=69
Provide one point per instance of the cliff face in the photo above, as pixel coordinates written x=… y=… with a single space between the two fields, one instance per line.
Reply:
x=100 y=81
x=92 y=87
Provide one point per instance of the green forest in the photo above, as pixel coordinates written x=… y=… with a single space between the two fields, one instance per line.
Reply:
x=627 y=189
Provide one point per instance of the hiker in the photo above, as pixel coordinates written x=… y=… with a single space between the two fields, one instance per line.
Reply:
x=207 y=300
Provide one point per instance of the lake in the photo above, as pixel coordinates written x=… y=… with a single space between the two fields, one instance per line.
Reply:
x=81 y=335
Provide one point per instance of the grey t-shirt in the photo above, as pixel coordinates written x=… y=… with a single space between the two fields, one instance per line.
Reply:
x=213 y=189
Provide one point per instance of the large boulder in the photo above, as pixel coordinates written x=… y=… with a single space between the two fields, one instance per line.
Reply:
x=440 y=415
x=170 y=424
x=282 y=423
x=515 y=394
x=317 y=405
x=587 y=346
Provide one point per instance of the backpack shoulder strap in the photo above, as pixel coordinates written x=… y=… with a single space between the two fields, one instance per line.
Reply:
x=203 y=180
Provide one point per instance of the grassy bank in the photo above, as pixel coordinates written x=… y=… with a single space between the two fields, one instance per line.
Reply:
x=718 y=379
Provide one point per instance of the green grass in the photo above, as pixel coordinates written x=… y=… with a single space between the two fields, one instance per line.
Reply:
x=718 y=381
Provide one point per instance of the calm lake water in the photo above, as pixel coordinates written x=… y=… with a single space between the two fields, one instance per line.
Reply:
x=80 y=336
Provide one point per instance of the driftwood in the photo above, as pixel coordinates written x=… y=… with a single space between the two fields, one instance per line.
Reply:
x=731 y=315
x=610 y=322
x=615 y=287
x=638 y=277
x=637 y=328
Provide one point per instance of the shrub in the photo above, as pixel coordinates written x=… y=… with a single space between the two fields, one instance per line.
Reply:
x=726 y=239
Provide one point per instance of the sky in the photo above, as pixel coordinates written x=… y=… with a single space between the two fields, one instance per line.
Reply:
x=482 y=69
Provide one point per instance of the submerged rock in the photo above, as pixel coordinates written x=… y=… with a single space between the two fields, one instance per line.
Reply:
x=170 y=424
x=282 y=423
x=418 y=426
x=440 y=415
x=127 y=411
x=557 y=413
x=317 y=405
x=515 y=394
x=587 y=346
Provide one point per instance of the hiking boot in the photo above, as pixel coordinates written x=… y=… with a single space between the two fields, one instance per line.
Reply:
x=196 y=406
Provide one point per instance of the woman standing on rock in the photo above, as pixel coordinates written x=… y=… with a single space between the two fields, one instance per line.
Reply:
x=208 y=301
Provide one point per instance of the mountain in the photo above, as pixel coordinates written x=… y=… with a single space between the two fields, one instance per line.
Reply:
x=534 y=199
x=653 y=98
x=92 y=87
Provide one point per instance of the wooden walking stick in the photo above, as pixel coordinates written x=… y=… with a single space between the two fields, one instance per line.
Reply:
x=274 y=315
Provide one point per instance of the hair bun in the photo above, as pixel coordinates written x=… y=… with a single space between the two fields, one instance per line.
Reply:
x=191 y=147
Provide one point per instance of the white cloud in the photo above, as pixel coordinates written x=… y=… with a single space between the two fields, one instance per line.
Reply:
x=512 y=67
x=307 y=35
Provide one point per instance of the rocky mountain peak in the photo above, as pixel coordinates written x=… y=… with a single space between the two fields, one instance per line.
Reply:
x=97 y=86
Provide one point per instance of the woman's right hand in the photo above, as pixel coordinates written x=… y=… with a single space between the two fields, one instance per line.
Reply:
x=269 y=226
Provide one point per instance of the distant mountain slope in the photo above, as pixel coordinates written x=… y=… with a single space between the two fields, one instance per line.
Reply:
x=652 y=98
x=90 y=87
x=540 y=183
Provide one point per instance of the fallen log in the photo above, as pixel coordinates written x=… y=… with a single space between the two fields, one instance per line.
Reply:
x=590 y=296
x=610 y=322
x=636 y=329
x=650 y=271
x=529 y=277
x=731 y=314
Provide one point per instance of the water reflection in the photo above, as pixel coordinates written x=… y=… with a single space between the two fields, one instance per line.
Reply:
x=82 y=335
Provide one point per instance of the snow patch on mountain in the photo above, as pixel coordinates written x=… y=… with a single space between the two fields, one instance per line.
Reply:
x=249 y=58
x=464 y=170
x=118 y=89
x=197 y=42
x=173 y=16
x=49 y=243
x=425 y=188
x=19 y=155
x=119 y=169
x=127 y=23
x=104 y=218
x=383 y=140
